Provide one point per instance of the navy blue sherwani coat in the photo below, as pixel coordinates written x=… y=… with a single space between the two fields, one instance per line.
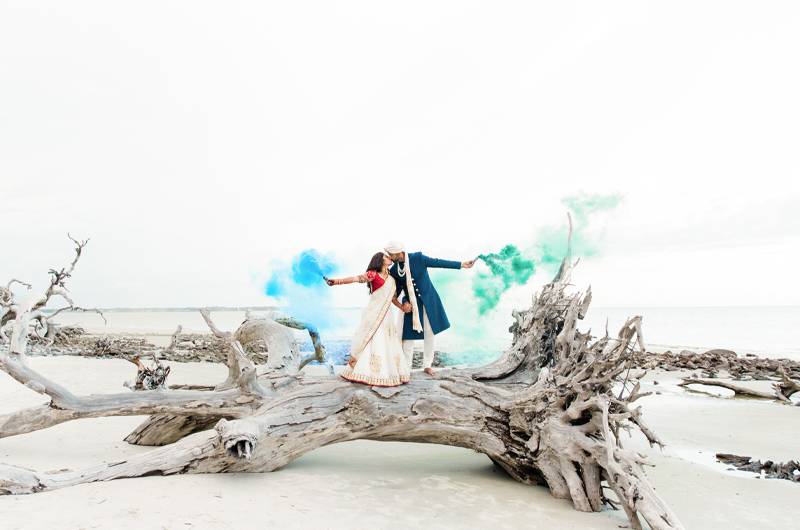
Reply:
x=425 y=292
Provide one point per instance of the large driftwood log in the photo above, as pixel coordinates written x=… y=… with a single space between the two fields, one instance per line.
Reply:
x=781 y=391
x=551 y=411
x=268 y=339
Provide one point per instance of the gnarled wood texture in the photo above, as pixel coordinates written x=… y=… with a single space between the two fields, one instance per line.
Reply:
x=549 y=412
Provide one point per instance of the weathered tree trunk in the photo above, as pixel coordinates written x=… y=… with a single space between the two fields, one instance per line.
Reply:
x=546 y=412
x=782 y=391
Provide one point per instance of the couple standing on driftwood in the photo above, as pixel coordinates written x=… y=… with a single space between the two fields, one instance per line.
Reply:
x=378 y=355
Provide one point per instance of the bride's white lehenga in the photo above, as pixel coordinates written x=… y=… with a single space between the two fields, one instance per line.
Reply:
x=377 y=346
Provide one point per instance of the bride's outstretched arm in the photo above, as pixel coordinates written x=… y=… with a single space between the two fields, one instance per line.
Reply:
x=361 y=278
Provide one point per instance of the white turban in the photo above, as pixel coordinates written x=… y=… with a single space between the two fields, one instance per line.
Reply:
x=395 y=247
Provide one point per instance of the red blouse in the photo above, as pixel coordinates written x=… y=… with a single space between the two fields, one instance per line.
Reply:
x=375 y=280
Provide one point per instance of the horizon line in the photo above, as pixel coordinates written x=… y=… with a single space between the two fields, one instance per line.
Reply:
x=278 y=308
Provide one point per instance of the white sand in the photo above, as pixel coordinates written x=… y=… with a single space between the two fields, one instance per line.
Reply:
x=392 y=485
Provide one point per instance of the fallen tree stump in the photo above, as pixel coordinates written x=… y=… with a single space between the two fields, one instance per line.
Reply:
x=738 y=390
x=714 y=361
x=788 y=471
x=783 y=372
x=782 y=391
x=549 y=412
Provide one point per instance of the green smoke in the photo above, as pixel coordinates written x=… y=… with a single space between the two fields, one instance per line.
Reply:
x=511 y=266
x=550 y=245
x=506 y=268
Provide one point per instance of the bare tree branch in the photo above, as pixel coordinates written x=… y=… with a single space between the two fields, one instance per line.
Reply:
x=14 y=280
x=214 y=329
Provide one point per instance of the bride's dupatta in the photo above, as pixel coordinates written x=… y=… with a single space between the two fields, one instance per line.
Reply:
x=379 y=302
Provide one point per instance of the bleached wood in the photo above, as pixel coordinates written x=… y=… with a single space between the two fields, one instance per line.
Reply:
x=739 y=390
x=548 y=412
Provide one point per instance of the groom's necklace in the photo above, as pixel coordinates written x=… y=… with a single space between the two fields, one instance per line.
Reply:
x=401 y=271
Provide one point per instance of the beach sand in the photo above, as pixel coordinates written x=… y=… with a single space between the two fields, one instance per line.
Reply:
x=389 y=485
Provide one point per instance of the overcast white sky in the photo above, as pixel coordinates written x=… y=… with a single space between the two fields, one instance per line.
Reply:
x=197 y=142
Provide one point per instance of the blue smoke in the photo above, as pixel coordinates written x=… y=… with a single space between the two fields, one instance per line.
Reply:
x=300 y=286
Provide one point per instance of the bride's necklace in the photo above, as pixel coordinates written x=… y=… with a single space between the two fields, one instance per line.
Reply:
x=401 y=271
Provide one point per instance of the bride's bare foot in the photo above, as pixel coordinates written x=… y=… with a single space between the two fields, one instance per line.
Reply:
x=429 y=371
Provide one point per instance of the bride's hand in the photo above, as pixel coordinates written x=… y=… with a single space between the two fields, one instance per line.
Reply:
x=352 y=362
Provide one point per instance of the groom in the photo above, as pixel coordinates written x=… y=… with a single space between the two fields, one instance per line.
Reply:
x=424 y=312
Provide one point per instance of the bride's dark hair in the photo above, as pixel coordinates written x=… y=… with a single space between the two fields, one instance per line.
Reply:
x=376 y=265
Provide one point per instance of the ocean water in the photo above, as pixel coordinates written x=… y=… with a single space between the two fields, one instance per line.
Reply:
x=764 y=331
x=767 y=331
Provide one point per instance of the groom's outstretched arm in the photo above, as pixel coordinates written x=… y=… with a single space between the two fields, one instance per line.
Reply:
x=436 y=263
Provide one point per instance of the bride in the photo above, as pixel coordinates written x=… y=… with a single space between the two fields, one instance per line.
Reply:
x=376 y=354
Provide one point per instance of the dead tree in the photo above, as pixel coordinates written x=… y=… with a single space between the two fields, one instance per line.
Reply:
x=781 y=391
x=551 y=411
x=712 y=363
x=33 y=314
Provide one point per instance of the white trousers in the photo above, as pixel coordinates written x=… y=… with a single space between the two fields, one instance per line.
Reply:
x=428 y=338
